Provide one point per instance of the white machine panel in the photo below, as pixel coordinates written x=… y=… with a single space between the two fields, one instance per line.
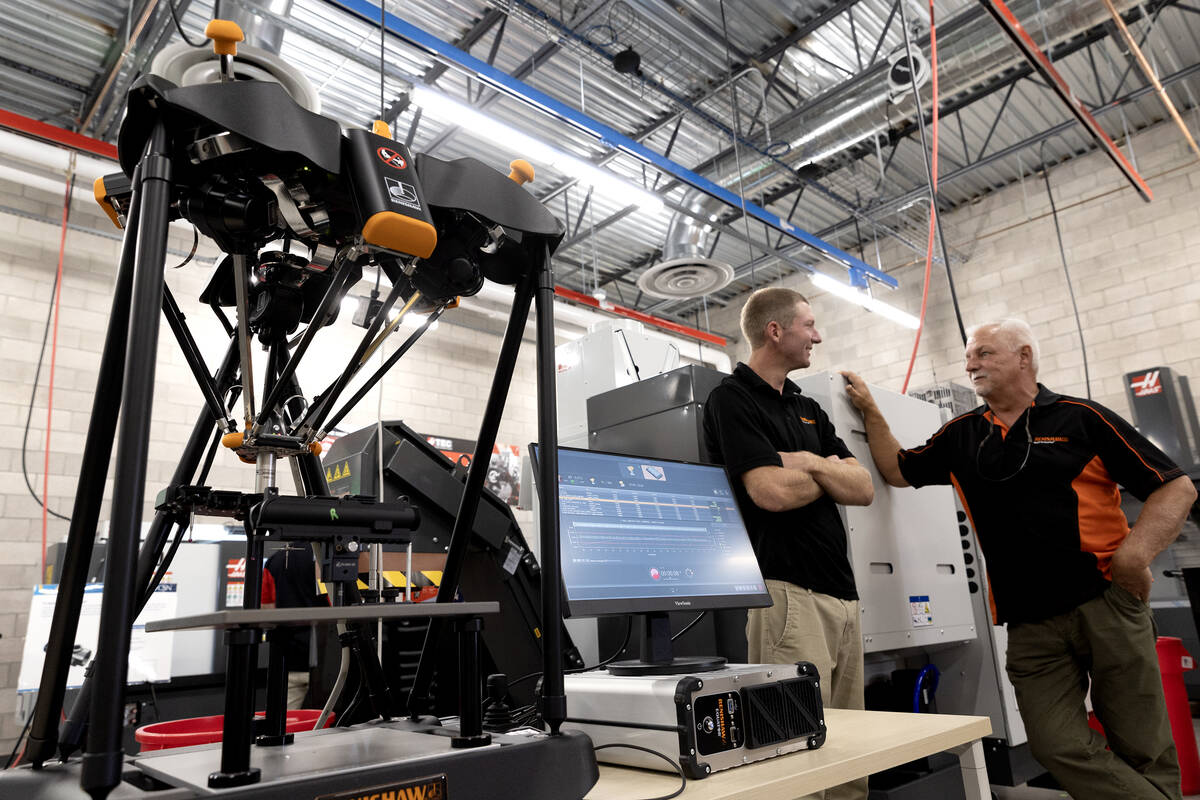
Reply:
x=905 y=546
x=604 y=359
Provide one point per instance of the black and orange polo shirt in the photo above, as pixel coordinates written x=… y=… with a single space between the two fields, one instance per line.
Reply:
x=1043 y=496
x=747 y=423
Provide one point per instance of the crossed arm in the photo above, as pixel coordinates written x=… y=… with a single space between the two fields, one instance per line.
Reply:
x=806 y=476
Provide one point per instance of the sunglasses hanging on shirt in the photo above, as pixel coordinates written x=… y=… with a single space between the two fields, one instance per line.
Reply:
x=998 y=466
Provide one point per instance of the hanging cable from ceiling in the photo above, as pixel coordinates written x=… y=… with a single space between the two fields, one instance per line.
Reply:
x=931 y=160
x=931 y=166
x=382 y=62
x=737 y=132
x=1087 y=376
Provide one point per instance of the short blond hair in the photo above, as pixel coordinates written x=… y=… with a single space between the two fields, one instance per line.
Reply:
x=1016 y=334
x=774 y=304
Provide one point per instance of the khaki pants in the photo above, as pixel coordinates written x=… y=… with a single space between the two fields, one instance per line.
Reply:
x=804 y=625
x=1110 y=640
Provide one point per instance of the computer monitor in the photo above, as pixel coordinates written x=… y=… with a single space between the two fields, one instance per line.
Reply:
x=648 y=536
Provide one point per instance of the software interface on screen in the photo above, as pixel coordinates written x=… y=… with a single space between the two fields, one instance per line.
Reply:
x=633 y=527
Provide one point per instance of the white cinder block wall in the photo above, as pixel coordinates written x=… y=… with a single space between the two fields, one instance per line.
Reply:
x=1135 y=268
x=1134 y=271
x=440 y=386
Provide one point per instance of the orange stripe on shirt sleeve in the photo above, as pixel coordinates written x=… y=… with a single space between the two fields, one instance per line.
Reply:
x=1119 y=436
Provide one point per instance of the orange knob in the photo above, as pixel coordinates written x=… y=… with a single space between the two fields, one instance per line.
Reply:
x=522 y=171
x=225 y=35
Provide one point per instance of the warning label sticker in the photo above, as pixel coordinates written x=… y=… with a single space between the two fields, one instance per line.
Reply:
x=401 y=193
x=922 y=611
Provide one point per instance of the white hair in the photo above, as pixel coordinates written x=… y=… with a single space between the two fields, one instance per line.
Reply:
x=1016 y=333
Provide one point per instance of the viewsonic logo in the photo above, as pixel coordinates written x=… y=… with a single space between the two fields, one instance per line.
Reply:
x=1146 y=384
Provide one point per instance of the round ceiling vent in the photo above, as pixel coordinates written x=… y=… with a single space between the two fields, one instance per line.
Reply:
x=184 y=65
x=685 y=278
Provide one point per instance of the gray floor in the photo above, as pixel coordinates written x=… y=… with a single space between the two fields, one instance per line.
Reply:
x=1032 y=793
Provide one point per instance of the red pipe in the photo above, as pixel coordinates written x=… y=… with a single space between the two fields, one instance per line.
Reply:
x=622 y=311
x=55 y=135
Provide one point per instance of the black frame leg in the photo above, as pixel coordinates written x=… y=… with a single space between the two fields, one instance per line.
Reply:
x=553 y=703
x=237 y=732
x=102 y=762
x=464 y=522
x=97 y=449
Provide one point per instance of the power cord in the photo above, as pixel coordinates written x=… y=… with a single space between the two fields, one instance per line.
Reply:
x=604 y=663
x=689 y=626
x=1087 y=377
x=14 y=759
x=674 y=765
x=175 y=18
x=37 y=374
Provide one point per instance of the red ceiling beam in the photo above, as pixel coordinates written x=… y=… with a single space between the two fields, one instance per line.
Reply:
x=55 y=135
x=1038 y=60
x=622 y=311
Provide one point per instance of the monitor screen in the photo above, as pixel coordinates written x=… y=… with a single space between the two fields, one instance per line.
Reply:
x=643 y=535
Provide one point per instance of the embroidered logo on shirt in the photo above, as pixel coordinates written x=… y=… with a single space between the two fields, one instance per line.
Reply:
x=807 y=420
x=1049 y=439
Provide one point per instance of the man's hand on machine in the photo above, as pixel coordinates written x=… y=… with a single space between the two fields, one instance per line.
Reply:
x=859 y=394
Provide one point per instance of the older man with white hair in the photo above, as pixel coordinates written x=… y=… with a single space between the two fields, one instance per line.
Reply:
x=1038 y=474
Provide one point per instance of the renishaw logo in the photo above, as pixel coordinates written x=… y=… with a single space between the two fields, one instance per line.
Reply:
x=433 y=788
x=1146 y=384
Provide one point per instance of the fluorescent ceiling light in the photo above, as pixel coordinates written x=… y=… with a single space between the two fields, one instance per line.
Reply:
x=534 y=150
x=847 y=292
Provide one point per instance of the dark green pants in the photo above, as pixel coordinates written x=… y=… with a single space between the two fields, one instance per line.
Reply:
x=1111 y=641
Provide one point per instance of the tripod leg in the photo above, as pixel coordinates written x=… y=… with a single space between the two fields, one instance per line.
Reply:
x=554 y=700
x=464 y=522
x=106 y=406
x=102 y=761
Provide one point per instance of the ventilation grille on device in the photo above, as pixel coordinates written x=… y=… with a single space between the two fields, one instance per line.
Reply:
x=777 y=712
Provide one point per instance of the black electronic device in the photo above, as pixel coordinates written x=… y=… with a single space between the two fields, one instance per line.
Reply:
x=709 y=721
x=499 y=564
x=648 y=536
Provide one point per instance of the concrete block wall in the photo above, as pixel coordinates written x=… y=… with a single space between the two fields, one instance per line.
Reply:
x=1134 y=266
x=440 y=386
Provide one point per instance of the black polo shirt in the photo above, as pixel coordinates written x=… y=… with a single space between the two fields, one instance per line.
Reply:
x=746 y=425
x=1043 y=496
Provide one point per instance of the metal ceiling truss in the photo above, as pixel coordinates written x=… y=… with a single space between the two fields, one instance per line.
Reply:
x=1034 y=55
x=886 y=206
x=604 y=133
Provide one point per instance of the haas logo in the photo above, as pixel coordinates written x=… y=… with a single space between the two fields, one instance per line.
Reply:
x=392 y=158
x=1147 y=384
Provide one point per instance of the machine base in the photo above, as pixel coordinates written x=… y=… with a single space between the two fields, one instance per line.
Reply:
x=347 y=764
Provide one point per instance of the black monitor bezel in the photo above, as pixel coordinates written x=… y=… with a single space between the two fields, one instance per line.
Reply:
x=614 y=607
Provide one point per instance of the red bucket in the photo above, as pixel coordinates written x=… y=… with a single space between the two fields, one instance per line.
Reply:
x=1173 y=661
x=207 y=730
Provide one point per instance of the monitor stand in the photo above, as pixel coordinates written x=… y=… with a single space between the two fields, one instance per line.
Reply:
x=656 y=653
